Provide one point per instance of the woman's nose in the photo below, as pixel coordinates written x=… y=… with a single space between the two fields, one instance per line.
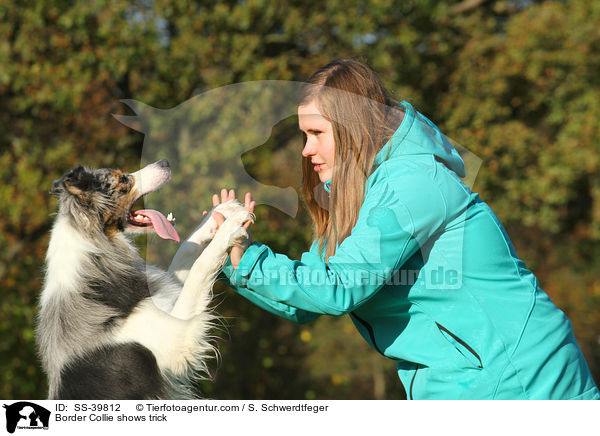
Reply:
x=308 y=149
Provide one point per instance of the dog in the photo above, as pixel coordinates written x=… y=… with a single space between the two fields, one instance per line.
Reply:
x=109 y=326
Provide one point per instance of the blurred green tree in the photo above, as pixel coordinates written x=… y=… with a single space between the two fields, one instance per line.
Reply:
x=514 y=81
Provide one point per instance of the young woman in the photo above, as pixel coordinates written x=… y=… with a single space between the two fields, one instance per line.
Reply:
x=420 y=263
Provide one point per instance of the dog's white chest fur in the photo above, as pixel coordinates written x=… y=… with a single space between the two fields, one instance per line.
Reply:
x=67 y=252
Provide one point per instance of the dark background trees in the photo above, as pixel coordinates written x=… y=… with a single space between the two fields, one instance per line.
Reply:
x=516 y=82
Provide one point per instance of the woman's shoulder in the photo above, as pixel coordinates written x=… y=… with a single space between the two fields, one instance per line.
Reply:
x=410 y=165
x=406 y=173
x=420 y=183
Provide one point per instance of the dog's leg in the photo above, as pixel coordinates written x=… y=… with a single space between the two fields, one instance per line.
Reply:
x=195 y=295
x=176 y=338
x=174 y=342
x=180 y=337
x=191 y=248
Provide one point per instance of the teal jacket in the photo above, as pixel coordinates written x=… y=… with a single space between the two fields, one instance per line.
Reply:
x=430 y=280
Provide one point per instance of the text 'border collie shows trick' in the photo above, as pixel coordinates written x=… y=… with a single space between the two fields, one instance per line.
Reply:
x=110 y=326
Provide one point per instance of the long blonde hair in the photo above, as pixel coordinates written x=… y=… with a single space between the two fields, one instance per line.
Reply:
x=350 y=95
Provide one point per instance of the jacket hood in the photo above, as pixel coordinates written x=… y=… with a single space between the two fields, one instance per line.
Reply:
x=417 y=135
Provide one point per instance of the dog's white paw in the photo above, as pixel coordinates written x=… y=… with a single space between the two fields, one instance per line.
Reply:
x=235 y=215
x=241 y=216
x=229 y=207
x=232 y=231
x=237 y=237
x=204 y=232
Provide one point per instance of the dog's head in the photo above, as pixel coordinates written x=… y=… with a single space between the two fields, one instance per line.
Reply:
x=103 y=199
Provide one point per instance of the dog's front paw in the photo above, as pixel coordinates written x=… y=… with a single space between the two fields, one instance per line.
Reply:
x=229 y=208
x=242 y=216
x=232 y=231
x=239 y=237
x=204 y=232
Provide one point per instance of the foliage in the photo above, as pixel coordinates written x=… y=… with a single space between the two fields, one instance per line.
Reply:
x=514 y=81
x=526 y=100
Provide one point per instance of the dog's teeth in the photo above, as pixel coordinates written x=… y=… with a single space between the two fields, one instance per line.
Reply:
x=139 y=217
x=170 y=217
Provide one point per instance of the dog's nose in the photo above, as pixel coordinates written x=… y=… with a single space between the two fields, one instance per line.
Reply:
x=163 y=163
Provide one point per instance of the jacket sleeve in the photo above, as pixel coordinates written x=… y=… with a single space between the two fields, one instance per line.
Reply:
x=394 y=222
x=280 y=309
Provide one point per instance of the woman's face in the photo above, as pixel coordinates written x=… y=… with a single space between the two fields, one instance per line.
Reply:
x=320 y=146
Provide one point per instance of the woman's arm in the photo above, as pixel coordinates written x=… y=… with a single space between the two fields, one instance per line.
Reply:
x=280 y=309
x=394 y=223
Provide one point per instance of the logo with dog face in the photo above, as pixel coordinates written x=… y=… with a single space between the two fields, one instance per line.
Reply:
x=209 y=138
x=26 y=415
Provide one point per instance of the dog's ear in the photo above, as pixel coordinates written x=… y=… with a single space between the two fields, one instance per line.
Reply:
x=77 y=181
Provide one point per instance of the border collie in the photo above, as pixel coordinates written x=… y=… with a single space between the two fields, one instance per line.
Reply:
x=110 y=326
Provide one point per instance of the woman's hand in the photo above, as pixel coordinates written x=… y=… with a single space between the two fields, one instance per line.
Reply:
x=237 y=251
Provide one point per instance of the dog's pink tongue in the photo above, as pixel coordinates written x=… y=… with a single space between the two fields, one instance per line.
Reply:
x=163 y=228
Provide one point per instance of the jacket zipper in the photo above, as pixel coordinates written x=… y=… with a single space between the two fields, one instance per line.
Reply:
x=412 y=382
x=367 y=326
x=463 y=343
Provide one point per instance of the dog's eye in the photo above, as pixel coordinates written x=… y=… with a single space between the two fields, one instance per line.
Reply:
x=123 y=179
